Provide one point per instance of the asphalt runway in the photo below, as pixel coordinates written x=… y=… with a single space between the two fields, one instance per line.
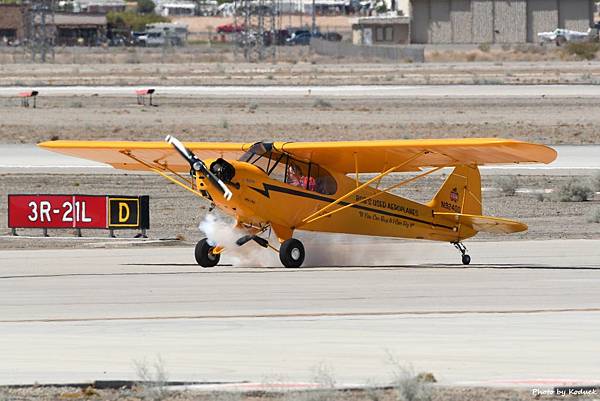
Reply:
x=524 y=313
x=572 y=160
x=346 y=91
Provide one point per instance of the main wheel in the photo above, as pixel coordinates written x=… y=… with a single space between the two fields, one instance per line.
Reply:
x=204 y=255
x=291 y=253
x=466 y=259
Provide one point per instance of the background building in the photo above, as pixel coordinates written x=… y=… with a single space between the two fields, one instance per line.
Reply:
x=79 y=29
x=495 y=21
x=381 y=31
x=12 y=23
x=63 y=29
x=168 y=8
x=100 y=6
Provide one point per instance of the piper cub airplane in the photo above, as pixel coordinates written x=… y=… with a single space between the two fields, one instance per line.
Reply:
x=314 y=186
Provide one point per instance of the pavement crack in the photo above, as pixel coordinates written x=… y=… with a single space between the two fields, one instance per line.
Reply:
x=305 y=315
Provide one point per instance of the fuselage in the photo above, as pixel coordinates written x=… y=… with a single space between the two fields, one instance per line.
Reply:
x=260 y=200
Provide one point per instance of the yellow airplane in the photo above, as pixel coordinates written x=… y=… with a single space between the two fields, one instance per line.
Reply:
x=315 y=186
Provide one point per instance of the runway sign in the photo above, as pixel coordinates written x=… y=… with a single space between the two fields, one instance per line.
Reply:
x=78 y=211
x=128 y=212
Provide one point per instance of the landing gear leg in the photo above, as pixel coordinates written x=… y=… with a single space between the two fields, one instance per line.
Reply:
x=466 y=259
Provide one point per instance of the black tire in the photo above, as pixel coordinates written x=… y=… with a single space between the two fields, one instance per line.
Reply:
x=204 y=255
x=560 y=40
x=291 y=253
x=466 y=259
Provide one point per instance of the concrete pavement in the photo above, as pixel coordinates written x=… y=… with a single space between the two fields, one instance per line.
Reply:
x=572 y=160
x=525 y=311
x=346 y=91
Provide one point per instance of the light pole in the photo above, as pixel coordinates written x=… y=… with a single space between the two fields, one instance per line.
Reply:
x=314 y=19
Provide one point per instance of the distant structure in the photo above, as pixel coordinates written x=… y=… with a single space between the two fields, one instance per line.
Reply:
x=257 y=24
x=381 y=31
x=98 y=6
x=37 y=29
x=40 y=29
x=171 y=8
x=13 y=29
x=495 y=21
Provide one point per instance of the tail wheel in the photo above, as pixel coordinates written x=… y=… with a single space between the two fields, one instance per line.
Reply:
x=466 y=259
x=291 y=253
x=204 y=255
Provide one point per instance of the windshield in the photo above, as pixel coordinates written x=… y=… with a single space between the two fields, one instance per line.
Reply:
x=284 y=168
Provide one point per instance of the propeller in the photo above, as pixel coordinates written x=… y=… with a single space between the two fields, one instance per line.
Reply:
x=198 y=165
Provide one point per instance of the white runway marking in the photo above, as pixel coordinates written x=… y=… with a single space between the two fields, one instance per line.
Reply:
x=362 y=91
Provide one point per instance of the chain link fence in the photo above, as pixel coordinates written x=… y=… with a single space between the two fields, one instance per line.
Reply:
x=415 y=54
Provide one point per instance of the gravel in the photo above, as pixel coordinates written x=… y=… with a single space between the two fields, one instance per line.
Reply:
x=175 y=214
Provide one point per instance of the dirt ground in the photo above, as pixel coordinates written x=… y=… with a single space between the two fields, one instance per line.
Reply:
x=216 y=65
x=175 y=214
x=437 y=394
x=542 y=120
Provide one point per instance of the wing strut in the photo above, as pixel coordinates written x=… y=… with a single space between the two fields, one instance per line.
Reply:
x=383 y=191
x=159 y=169
x=317 y=215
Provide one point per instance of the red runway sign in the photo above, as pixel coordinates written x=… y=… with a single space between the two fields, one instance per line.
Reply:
x=56 y=211
x=77 y=211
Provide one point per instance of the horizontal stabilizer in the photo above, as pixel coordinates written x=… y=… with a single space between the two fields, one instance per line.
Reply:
x=485 y=224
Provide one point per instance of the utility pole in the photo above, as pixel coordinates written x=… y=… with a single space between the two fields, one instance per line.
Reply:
x=40 y=29
x=314 y=19
x=258 y=35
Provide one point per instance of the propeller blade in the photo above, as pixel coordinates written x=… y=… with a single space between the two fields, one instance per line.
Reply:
x=198 y=165
x=227 y=194
x=180 y=148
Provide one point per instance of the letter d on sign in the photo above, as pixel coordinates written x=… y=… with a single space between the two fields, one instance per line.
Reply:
x=123 y=212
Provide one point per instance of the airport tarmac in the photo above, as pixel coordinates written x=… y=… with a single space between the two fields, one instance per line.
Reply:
x=524 y=313
x=345 y=91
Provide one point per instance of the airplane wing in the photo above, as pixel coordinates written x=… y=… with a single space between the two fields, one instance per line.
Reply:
x=377 y=156
x=486 y=224
x=127 y=155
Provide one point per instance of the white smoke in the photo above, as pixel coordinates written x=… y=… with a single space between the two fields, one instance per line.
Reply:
x=221 y=231
x=322 y=249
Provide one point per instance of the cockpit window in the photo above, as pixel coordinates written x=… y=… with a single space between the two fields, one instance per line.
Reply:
x=284 y=168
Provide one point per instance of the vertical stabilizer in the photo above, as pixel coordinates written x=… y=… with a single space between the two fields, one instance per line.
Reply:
x=460 y=193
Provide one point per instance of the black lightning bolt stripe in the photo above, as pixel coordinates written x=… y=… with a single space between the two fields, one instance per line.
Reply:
x=289 y=191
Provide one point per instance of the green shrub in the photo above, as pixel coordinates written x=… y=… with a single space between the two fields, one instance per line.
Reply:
x=595 y=181
x=508 y=185
x=145 y=6
x=484 y=47
x=594 y=216
x=582 y=50
x=131 y=20
x=412 y=387
x=322 y=104
x=574 y=191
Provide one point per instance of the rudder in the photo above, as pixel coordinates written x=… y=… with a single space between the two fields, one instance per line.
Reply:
x=460 y=193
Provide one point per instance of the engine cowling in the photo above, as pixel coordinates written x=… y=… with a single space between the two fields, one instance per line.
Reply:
x=223 y=169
